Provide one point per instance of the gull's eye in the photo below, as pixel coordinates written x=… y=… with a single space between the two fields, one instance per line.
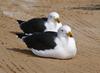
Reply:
x=50 y=16
x=62 y=30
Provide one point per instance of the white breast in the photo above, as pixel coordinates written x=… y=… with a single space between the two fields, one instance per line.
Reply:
x=66 y=49
x=52 y=27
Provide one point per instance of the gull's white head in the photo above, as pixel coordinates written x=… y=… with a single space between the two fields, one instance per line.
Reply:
x=65 y=30
x=54 y=17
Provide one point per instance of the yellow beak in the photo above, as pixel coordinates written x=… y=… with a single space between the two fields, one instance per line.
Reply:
x=57 y=19
x=70 y=34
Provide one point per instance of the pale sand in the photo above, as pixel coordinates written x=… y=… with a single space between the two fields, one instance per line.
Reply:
x=82 y=15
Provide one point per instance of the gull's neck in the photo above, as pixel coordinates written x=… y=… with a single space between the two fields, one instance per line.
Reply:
x=52 y=26
x=50 y=21
x=55 y=24
x=63 y=38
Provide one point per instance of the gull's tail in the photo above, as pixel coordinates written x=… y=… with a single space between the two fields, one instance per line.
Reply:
x=20 y=21
x=19 y=34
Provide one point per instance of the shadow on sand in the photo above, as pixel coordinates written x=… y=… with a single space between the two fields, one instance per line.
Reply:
x=24 y=51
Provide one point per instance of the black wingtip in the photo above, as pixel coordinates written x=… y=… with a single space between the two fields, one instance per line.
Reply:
x=19 y=34
x=20 y=21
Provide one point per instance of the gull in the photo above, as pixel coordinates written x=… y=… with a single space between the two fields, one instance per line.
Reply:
x=52 y=23
x=60 y=45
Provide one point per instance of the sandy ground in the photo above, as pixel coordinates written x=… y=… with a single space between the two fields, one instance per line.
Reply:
x=82 y=15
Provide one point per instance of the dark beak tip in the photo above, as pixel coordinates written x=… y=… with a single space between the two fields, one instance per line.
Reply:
x=70 y=34
x=58 y=20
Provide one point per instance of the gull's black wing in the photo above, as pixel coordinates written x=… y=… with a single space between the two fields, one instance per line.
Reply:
x=34 y=25
x=41 y=41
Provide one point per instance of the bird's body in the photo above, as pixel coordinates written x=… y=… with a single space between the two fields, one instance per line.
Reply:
x=52 y=44
x=63 y=49
x=51 y=23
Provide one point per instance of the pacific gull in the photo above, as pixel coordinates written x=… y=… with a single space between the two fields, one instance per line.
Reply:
x=59 y=44
x=52 y=23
